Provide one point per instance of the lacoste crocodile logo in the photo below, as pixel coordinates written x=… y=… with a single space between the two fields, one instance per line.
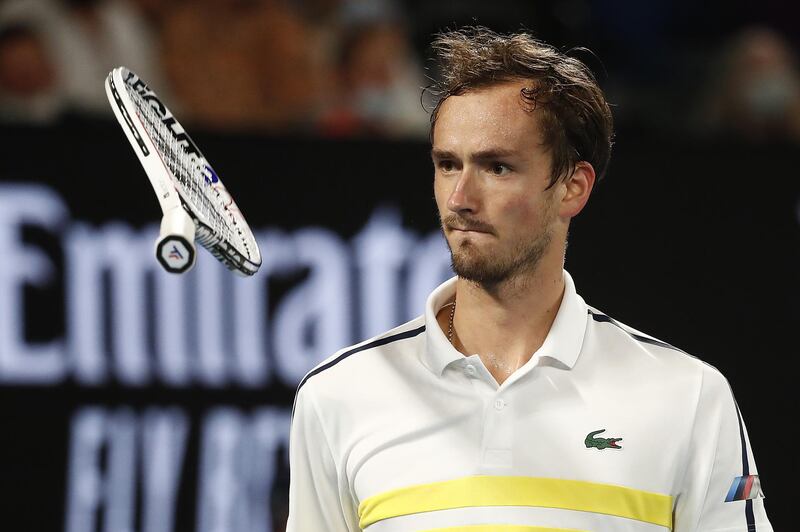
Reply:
x=601 y=443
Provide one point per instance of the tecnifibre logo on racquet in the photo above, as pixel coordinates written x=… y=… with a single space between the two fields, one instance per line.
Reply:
x=175 y=255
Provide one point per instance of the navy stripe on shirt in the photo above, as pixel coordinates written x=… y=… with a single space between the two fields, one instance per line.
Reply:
x=596 y=316
x=375 y=343
x=748 y=505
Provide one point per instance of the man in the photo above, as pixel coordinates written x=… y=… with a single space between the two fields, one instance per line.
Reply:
x=511 y=404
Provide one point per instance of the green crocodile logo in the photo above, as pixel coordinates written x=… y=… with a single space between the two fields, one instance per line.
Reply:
x=601 y=443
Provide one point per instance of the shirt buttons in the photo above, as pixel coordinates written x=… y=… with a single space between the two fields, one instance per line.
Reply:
x=499 y=404
x=470 y=370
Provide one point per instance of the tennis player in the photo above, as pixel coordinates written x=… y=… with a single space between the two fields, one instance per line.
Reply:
x=510 y=404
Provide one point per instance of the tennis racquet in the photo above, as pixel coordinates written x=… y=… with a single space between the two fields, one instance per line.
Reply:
x=195 y=204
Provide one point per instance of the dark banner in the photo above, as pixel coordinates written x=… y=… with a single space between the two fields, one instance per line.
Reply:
x=134 y=400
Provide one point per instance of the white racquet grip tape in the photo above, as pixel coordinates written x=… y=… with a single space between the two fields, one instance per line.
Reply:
x=175 y=245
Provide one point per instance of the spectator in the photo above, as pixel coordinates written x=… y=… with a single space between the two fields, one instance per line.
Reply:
x=756 y=96
x=82 y=41
x=94 y=37
x=378 y=80
x=29 y=89
x=242 y=64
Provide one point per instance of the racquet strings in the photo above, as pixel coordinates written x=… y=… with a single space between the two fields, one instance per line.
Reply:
x=206 y=202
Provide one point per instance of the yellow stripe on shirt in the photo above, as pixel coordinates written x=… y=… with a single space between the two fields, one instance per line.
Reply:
x=481 y=491
x=501 y=528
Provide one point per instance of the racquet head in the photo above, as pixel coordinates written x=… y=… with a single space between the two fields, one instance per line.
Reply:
x=195 y=203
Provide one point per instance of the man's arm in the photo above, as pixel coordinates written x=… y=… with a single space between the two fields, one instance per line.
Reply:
x=721 y=490
x=316 y=502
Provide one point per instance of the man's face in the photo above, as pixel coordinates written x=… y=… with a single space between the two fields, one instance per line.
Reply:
x=491 y=179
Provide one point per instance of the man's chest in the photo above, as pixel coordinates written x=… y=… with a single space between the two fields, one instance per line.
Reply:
x=553 y=431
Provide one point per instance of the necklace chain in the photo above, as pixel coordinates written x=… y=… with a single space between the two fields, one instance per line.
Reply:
x=507 y=368
x=450 y=322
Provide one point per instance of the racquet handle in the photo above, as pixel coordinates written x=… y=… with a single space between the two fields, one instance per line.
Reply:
x=175 y=245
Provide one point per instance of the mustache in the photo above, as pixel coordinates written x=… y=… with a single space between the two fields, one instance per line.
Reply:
x=454 y=221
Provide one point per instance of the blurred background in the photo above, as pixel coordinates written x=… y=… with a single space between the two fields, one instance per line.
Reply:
x=131 y=400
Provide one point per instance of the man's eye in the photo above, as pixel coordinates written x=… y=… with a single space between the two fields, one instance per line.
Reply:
x=499 y=169
x=446 y=166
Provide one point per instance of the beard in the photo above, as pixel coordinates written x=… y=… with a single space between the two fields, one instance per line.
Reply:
x=490 y=269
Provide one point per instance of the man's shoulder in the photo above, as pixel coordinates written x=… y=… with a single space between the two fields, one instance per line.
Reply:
x=355 y=362
x=625 y=341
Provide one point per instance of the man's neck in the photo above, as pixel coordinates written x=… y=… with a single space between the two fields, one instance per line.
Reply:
x=508 y=323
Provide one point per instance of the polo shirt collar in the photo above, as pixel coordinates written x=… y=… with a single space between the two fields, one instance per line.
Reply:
x=563 y=342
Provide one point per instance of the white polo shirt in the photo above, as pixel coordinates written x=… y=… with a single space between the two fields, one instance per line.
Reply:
x=604 y=429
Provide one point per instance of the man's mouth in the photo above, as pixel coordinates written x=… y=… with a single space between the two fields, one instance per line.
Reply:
x=470 y=229
x=453 y=224
x=467 y=230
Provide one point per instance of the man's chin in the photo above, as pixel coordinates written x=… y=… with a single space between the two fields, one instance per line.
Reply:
x=477 y=269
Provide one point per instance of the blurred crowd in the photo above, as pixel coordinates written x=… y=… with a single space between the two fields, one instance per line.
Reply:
x=343 y=68
x=332 y=67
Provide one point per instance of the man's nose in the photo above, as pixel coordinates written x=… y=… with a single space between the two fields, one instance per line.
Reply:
x=464 y=197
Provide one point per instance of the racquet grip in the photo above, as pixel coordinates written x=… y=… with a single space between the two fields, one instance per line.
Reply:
x=175 y=248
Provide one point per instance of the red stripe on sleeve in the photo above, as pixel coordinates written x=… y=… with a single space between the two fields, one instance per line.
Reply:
x=747 y=487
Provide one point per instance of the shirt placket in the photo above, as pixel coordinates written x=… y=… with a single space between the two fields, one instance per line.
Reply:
x=498 y=413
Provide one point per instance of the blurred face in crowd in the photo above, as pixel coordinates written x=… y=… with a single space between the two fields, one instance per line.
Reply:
x=491 y=185
x=25 y=68
x=764 y=75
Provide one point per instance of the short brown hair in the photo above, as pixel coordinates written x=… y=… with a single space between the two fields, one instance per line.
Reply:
x=576 y=119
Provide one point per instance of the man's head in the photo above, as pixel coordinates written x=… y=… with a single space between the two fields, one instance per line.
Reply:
x=520 y=134
x=574 y=116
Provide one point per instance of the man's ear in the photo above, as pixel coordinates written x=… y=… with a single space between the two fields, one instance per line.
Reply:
x=578 y=188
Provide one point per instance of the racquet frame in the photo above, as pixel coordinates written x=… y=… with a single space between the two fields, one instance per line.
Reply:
x=180 y=226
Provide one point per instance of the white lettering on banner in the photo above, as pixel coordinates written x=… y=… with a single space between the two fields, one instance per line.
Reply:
x=120 y=490
x=312 y=321
x=208 y=328
x=85 y=481
x=22 y=265
x=237 y=469
x=164 y=434
x=89 y=489
x=250 y=324
x=84 y=312
x=173 y=363
x=129 y=257
x=381 y=251
x=145 y=457
x=212 y=344
x=125 y=257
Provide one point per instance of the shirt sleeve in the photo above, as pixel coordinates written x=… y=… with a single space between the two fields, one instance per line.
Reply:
x=316 y=499
x=721 y=490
